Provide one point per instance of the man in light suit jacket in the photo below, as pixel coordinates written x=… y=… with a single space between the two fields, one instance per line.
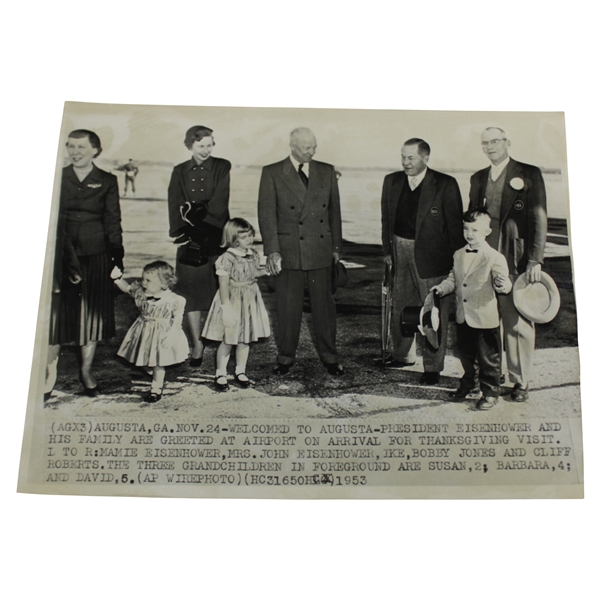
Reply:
x=515 y=196
x=301 y=227
x=421 y=213
x=479 y=272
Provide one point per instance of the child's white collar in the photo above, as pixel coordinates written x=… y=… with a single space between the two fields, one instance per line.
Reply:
x=239 y=251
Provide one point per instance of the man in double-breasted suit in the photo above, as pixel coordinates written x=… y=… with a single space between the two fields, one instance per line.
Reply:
x=515 y=196
x=301 y=227
x=421 y=229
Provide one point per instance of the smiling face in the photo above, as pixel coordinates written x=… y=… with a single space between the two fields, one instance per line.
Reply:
x=304 y=146
x=151 y=283
x=201 y=149
x=495 y=145
x=476 y=232
x=244 y=240
x=412 y=162
x=81 y=152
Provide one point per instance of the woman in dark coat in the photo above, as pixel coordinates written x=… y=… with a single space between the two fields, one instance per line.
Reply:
x=198 y=200
x=90 y=233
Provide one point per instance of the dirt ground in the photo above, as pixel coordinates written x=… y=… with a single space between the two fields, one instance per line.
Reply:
x=308 y=391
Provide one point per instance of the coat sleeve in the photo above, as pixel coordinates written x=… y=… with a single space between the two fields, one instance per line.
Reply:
x=111 y=218
x=453 y=213
x=449 y=284
x=335 y=213
x=537 y=217
x=174 y=200
x=474 y=192
x=267 y=212
x=385 y=215
x=218 y=205
x=500 y=267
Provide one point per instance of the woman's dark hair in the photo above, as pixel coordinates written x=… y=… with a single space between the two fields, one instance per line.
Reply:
x=90 y=135
x=195 y=134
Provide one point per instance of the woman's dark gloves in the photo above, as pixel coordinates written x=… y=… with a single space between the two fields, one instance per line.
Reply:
x=116 y=254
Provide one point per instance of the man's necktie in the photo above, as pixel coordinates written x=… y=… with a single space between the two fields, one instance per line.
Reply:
x=412 y=182
x=303 y=175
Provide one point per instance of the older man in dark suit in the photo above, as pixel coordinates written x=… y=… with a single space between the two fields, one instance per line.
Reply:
x=515 y=196
x=422 y=228
x=301 y=227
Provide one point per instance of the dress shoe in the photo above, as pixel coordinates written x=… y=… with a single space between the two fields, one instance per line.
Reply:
x=196 y=363
x=519 y=393
x=281 y=369
x=430 y=378
x=242 y=379
x=486 y=403
x=465 y=392
x=221 y=383
x=392 y=363
x=152 y=397
x=335 y=369
x=91 y=392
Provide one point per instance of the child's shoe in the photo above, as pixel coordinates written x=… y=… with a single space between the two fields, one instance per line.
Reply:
x=242 y=380
x=221 y=383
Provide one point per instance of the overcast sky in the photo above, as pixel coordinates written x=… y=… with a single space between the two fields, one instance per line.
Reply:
x=346 y=138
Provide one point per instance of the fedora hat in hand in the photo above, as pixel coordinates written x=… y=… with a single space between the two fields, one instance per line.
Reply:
x=539 y=302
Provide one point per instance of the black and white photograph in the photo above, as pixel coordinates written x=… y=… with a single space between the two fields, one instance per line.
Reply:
x=198 y=402
x=258 y=302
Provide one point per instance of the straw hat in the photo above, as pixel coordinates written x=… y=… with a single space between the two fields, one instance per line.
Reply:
x=539 y=302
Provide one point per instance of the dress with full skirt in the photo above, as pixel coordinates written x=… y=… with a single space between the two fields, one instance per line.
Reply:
x=156 y=338
x=251 y=318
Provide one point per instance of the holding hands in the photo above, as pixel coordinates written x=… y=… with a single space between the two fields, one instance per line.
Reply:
x=502 y=284
x=274 y=263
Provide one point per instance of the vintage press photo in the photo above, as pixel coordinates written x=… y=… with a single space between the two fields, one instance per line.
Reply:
x=237 y=302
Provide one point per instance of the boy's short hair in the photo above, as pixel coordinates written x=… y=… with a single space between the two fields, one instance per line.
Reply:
x=232 y=230
x=472 y=215
x=165 y=272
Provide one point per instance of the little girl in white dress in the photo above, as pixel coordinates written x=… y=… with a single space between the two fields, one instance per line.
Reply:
x=156 y=339
x=238 y=315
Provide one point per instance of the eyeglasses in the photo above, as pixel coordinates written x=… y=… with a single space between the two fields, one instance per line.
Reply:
x=493 y=142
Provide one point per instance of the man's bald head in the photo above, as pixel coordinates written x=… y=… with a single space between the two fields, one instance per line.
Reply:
x=303 y=144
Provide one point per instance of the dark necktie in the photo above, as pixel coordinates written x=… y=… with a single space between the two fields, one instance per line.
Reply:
x=303 y=175
x=471 y=250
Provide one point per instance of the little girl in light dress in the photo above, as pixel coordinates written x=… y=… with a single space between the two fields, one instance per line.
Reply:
x=156 y=339
x=238 y=315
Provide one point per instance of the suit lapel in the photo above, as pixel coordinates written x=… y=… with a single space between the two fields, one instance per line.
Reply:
x=508 y=193
x=293 y=181
x=483 y=179
x=428 y=189
x=314 y=183
x=476 y=263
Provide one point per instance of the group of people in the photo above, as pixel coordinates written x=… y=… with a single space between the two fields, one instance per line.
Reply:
x=423 y=234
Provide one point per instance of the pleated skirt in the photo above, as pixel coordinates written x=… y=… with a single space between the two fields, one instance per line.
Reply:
x=85 y=312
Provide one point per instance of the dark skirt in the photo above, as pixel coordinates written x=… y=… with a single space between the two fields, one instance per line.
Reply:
x=85 y=312
x=198 y=285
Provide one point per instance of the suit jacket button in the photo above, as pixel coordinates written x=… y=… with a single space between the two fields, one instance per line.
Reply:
x=465 y=300
x=300 y=223
x=322 y=236
x=324 y=205
x=464 y=285
x=292 y=207
x=301 y=238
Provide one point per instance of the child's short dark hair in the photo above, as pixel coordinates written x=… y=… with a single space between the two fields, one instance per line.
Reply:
x=472 y=215
x=233 y=228
x=165 y=272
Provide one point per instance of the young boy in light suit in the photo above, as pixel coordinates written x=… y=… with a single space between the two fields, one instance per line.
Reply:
x=479 y=272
